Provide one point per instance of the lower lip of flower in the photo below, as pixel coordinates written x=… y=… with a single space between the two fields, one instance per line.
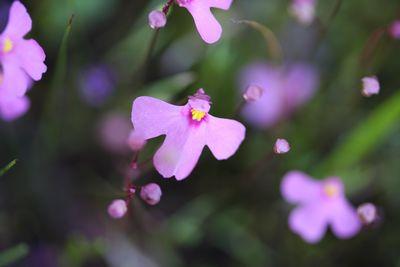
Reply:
x=7 y=45
x=197 y=115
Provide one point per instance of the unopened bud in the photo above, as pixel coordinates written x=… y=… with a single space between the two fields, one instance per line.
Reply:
x=117 y=209
x=367 y=213
x=157 y=19
x=135 y=141
x=151 y=193
x=282 y=146
x=370 y=86
x=253 y=93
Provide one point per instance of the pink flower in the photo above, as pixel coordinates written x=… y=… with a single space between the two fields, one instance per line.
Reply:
x=157 y=19
x=320 y=203
x=21 y=59
x=394 y=29
x=303 y=11
x=370 y=86
x=151 y=193
x=188 y=129
x=117 y=209
x=285 y=89
x=11 y=106
x=282 y=146
x=208 y=27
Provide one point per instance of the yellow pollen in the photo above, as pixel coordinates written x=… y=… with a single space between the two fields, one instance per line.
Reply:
x=197 y=115
x=331 y=190
x=7 y=45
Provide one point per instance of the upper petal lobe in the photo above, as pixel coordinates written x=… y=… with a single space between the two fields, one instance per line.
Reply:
x=19 y=22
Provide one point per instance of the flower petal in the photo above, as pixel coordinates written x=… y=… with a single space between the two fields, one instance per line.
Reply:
x=224 y=136
x=298 y=187
x=15 y=80
x=344 y=220
x=31 y=58
x=221 y=4
x=152 y=117
x=180 y=151
x=208 y=27
x=13 y=107
x=309 y=221
x=19 y=22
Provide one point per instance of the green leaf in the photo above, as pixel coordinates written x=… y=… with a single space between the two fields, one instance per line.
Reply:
x=13 y=254
x=8 y=167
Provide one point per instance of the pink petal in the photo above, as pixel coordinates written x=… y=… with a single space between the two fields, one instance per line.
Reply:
x=13 y=107
x=224 y=136
x=180 y=151
x=298 y=187
x=31 y=58
x=309 y=222
x=344 y=220
x=221 y=4
x=19 y=22
x=15 y=81
x=208 y=27
x=152 y=117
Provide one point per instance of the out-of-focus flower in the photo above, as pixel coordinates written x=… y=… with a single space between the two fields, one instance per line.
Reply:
x=367 y=213
x=394 y=29
x=303 y=10
x=151 y=193
x=208 y=27
x=21 y=59
x=113 y=130
x=320 y=203
x=135 y=141
x=117 y=209
x=289 y=87
x=97 y=83
x=157 y=19
x=253 y=93
x=188 y=129
x=370 y=86
x=282 y=146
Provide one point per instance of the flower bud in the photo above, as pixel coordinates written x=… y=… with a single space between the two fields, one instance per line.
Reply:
x=394 y=29
x=367 y=213
x=151 y=193
x=157 y=19
x=303 y=11
x=370 y=86
x=253 y=93
x=135 y=141
x=282 y=146
x=117 y=209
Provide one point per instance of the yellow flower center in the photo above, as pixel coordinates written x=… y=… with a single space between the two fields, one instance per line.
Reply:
x=7 y=45
x=197 y=115
x=331 y=190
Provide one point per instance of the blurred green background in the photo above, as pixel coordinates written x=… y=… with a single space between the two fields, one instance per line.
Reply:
x=53 y=202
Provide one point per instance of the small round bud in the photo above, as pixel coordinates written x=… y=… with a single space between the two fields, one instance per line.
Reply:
x=253 y=93
x=282 y=146
x=151 y=193
x=394 y=29
x=367 y=213
x=117 y=209
x=135 y=141
x=157 y=19
x=370 y=86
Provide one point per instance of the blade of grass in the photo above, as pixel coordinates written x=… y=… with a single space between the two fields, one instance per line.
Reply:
x=8 y=167
x=13 y=254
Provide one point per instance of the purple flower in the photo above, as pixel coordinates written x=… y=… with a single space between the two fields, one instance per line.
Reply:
x=370 y=86
x=303 y=10
x=21 y=59
x=188 y=129
x=320 y=203
x=97 y=84
x=208 y=27
x=151 y=193
x=285 y=89
x=394 y=29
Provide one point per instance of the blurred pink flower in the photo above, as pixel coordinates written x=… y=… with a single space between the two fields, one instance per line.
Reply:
x=320 y=203
x=208 y=27
x=285 y=89
x=113 y=130
x=370 y=86
x=21 y=59
x=117 y=209
x=151 y=193
x=157 y=19
x=303 y=10
x=136 y=141
x=282 y=146
x=188 y=129
x=394 y=29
